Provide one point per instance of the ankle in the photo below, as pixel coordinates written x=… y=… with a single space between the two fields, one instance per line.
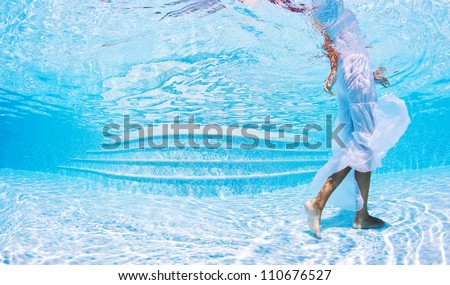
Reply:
x=362 y=214
x=317 y=204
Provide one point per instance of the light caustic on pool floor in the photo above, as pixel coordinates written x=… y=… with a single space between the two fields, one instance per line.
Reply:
x=53 y=219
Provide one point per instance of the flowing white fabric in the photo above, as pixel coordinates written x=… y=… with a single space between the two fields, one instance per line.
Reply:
x=371 y=127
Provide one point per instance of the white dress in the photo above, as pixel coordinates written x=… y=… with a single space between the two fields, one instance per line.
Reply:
x=372 y=126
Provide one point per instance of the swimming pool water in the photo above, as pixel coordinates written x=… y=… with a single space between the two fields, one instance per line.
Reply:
x=66 y=220
x=68 y=68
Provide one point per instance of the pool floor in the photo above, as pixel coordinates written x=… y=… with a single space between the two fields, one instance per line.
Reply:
x=53 y=219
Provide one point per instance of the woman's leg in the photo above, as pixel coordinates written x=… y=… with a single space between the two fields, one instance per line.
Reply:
x=315 y=206
x=362 y=218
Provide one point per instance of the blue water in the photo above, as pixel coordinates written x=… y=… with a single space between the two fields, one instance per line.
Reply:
x=68 y=68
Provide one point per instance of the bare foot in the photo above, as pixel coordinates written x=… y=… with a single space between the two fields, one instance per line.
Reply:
x=367 y=222
x=314 y=215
